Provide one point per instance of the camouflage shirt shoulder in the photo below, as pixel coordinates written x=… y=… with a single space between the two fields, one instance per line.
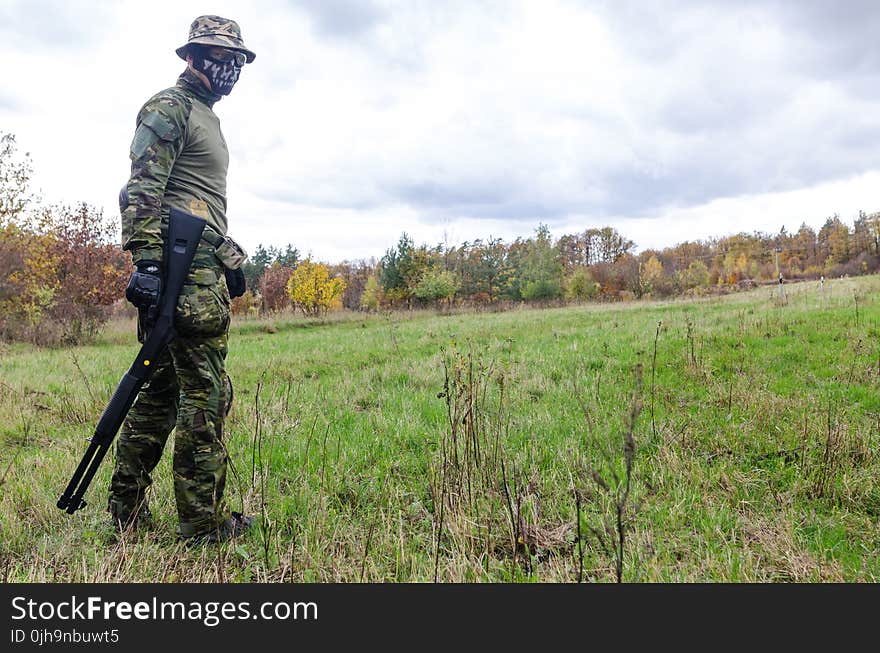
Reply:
x=166 y=113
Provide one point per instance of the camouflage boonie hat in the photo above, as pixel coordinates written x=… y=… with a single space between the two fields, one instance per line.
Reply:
x=218 y=32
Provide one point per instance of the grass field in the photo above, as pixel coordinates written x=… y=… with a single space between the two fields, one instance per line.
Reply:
x=731 y=439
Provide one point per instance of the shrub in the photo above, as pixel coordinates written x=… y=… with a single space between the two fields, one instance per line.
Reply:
x=313 y=290
x=436 y=286
x=27 y=280
x=372 y=297
x=245 y=305
x=541 y=289
x=91 y=271
x=273 y=288
x=580 y=285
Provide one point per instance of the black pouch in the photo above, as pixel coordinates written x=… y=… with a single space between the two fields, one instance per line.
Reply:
x=235 y=281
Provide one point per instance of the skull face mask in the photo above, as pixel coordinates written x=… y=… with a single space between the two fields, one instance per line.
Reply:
x=221 y=71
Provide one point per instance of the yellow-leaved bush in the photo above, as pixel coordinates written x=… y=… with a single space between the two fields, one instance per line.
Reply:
x=311 y=288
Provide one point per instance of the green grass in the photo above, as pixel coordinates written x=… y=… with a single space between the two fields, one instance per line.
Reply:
x=474 y=447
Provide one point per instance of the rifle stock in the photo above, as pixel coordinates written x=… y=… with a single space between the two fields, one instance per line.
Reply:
x=184 y=233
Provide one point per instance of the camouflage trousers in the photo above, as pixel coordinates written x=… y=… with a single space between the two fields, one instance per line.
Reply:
x=188 y=393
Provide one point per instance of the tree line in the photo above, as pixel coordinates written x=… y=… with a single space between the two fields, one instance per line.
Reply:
x=597 y=264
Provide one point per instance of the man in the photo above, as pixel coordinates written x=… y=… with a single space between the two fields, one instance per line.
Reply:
x=179 y=159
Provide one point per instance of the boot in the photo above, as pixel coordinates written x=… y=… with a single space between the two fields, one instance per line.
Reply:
x=233 y=527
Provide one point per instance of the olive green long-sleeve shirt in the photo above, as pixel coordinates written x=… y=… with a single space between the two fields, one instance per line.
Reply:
x=178 y=158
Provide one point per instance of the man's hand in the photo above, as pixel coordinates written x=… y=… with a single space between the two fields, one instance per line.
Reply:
x=145 y=284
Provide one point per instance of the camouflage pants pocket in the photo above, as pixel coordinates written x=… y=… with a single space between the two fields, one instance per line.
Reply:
x=202 y=310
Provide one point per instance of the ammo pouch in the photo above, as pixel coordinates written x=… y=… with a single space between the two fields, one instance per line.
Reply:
x=227 y=251
x=232 y=256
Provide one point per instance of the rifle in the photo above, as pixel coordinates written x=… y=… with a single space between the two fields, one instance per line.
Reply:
x=184 y=233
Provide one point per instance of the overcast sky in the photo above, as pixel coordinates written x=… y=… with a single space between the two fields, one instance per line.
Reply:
x=452 y=121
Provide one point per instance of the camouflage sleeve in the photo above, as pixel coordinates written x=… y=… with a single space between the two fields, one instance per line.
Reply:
x=158 y=140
